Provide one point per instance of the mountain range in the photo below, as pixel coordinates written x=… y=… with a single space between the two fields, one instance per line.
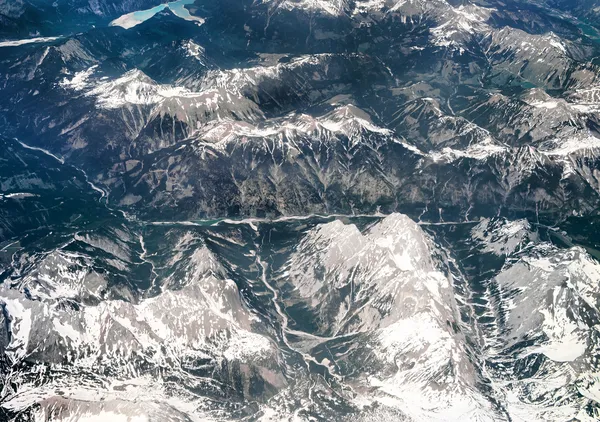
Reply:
x=300 y=210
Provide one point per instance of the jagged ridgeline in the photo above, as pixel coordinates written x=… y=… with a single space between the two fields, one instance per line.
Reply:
x=299 y=210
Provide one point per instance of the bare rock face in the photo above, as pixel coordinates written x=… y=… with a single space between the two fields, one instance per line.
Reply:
x=544 y=307
x=386 y=292
x=271 y=318
x=197 y=326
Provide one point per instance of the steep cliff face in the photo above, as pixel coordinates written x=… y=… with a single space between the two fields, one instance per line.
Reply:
x=388 y=293
x=540 y=311
x=313 y=317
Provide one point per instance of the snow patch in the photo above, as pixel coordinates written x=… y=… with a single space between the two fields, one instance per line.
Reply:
x=16 y=43
x=79 y=81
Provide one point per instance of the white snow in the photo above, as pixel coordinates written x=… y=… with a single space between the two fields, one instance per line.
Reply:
x=24 y=145
x=204 y=318
x=565 y=342
x=18 y=195
x=134 y=87
x=545 y=104
x=478 y=151
x=543 y=297
x=194 y=50
x=555 y=42
x=330 y=7
x=501 y=237
x=79 y=81
x=21 y=321
x=565 y=147
x=103 y=417
x=459 y=24
x=16 y=43
x=399 y=296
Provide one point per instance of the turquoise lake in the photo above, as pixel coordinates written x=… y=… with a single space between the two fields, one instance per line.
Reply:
x=132 y=19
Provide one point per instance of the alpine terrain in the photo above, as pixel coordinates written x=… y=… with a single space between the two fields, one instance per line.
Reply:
x=300 y=210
